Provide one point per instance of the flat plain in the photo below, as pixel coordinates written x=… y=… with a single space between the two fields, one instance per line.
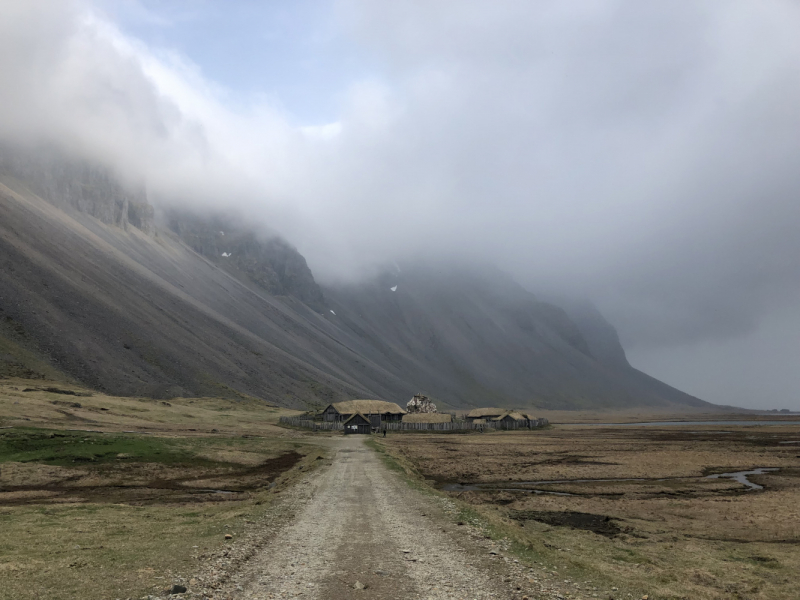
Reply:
x=107 y=497
x=633 y=507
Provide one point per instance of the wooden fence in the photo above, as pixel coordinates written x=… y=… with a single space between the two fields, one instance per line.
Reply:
x=309 y=424
x=400 y=426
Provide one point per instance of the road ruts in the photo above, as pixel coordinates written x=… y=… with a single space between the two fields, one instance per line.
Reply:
x=361 y=525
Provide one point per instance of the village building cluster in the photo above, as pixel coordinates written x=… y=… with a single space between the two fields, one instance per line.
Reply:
x=367 y=416
x=499 y=415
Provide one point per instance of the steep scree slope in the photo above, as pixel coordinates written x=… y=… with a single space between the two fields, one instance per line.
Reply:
x=92 y=290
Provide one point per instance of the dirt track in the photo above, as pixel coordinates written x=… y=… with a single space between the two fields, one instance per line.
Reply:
x=358 y=522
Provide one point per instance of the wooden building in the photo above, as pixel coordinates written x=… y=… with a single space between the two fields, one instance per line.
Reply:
x=357 y=423
x=487 y=414
x=503 y=418
x=376 y=411
x=512 y=420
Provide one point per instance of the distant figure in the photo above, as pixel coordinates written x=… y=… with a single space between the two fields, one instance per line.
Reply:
x=384 y=432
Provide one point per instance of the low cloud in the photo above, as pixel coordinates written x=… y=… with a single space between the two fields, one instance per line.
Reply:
x=641 y=153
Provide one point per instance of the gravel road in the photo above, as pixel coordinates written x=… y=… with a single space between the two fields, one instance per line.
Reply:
x=360 y=524
x=360 y=532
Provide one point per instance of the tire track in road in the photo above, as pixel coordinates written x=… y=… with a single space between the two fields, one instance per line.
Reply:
x=360 y=525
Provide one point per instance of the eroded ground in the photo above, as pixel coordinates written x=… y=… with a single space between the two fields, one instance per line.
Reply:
x=635 y=505
x=69 y=467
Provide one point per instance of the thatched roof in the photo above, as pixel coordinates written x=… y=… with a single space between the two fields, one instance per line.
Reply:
x=514 y=415
x=427 y=418
x=356 y=416
x=479 y=413
x=367 y=407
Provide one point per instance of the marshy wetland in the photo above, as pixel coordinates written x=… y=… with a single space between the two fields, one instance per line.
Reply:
x=692 y=511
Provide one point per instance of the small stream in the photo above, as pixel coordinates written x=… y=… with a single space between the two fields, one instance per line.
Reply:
x=741 y=476
x=530 y=487
x=533 y=487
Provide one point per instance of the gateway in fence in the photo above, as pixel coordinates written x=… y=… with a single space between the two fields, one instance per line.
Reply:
x=376 y=411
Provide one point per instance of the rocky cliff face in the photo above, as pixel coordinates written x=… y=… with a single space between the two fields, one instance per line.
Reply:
x=269 y=262
x=601 y=337
x=78 y=185
x=472 y=336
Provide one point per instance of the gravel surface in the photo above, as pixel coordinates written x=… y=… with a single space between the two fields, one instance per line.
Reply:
x=356 y=530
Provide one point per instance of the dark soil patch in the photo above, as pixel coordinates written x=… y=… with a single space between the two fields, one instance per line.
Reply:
x=570 y=459
x=223 y=485
x=65 y=403
x=599 y=524
x=54 y=390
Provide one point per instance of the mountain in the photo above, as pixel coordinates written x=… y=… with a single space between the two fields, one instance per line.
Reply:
x=95 y=289
x=473 y=336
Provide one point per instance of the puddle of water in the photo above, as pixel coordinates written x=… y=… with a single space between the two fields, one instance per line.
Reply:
x=741 y=476
x=531 y=487
x=527 y=486
x=792 y=442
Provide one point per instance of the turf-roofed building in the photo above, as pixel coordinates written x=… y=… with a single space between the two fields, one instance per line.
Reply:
x=377 y=411
x=508 y=418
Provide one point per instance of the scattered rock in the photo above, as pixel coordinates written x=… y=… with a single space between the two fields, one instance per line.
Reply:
x=359 y=586
x=228 y=536
x=177 y=589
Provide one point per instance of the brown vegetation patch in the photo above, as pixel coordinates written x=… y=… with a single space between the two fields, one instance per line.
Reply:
x=676 y=533
x=138 y=483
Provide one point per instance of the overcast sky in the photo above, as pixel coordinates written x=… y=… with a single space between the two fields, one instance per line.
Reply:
x=644 y=154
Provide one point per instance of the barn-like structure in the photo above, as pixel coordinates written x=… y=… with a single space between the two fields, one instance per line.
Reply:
x=357 y=423
x=485 y=414
x=376 y=411
x=503 y=417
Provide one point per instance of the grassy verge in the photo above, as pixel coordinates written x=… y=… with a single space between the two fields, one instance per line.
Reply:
x=109 y=511
x=109 y=550
x=534 y=545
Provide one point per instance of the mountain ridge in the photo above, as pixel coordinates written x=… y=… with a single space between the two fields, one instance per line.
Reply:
x=94 y=289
